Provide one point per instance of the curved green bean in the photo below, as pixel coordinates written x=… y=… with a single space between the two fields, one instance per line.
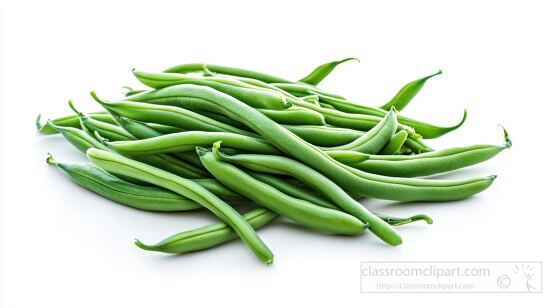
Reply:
x=286 y=166
x=112 y=162
x=375 y=139
x=256 y=98
x=186 y=141
x=148 y=198
x=407 y=93
x=300 y=211
x=209 y=236
x=322 y=71
x=70 y=121
x=431 y=162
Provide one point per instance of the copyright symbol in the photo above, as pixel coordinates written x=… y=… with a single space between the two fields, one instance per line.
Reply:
x=503 y=281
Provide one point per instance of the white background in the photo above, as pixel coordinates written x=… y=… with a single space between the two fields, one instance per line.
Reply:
x=63 y=246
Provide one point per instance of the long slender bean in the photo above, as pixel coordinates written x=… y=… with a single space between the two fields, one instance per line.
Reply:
x=431 y=162
x=300 y=211
x=70 y=121
x=112 y=162
x=209 y=236
x=322 y=71
x=407 y=93
x=254 y=97
x=168 y=115
x=331 y=191
x=375 y=139
x=148 y=198
x=186 y=141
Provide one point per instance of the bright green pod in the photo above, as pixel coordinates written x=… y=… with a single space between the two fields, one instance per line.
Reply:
x=407 y=93
x=253 y=97
x=375 y=139
x=209 y=236
x=395 y=143
x=70 y=121
x=148 y=198
x=322 y=71
x=77 y=137
x=287 y=166
x=187 y=141
x=112 y=162
x=299 y=211
x=142 y=130
x=432 y=162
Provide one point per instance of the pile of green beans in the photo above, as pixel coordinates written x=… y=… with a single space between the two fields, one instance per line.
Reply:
x=212 y=137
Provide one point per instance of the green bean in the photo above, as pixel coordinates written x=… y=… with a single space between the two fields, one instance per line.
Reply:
x=142 y=130
x=394 y=145
x=375 y=139
x=331 y=191
x=148 y=198
x=209 y=236
x=431 y=162
x=70 y=121
x=407 y=93
x=427 y=130
x=112 y=162
x=109 y=131
x=348 y=178
x=299 y=211
x=186 y=141
x=326 y=136
x=168 y=115
x=162 y=161
x=308 y=195
x=254 y=97
x=295 y=116
x=77 y=137
x=322 y=71
x=217 y=234
x=198 y=67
